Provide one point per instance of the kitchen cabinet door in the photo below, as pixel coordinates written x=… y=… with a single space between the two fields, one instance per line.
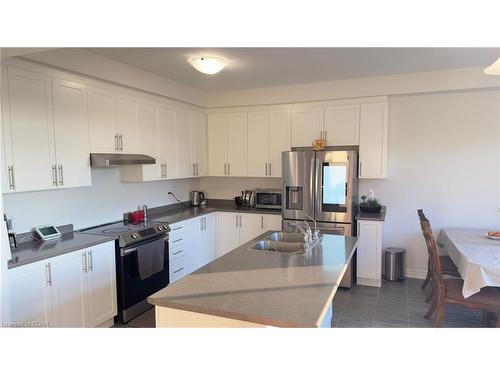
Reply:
x=199 y=134
x=183 y=144
x=271 y=222
x=280 y=139
x=100 y=287
x=194 y=246
x=71 y=130
x=208 y=238
x=128 y=125
x=6 y=155
x=102 y=120
x=342 y=125
x=67 y=275
x=177 y=269
x=258 y=143
x=32 y=131
x=148 y=140
x=237 y=144
x=373 y=134
x=251 y=226
x=166 y=131
x=31 y=295
x=369 y=253
x=228 y=234
x=217 y=135
x=307 y=125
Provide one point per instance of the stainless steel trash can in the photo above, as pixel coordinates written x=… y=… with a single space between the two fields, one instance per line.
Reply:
x=394 y=263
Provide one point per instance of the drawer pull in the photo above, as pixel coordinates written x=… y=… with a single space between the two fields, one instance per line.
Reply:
x=180 y=239
x=179 y=270
x=178 y=252
x=177 y=228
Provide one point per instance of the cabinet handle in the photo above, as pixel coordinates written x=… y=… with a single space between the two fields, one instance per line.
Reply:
x=165 y=170
x=177 y=228
x=270 y=171
x=197 y=170
x=201 y=224
x=360 y=165
x=84 y=262
x=116 y=142
x=121 y=142
x=326 y=134
x=91 y=261
x=178 y=252
x=12 y=186
x=61 y=175
x=54 y=175
x=179 y=270
x=262 y=221
x=225 y=169
x=180 y=239
x=229 y=169
x=205 y=220
x=236 y=216
x=240 y=220
x=266 y=169
x=194 y=173
x=48 y=274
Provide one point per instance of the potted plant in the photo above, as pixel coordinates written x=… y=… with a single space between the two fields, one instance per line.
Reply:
x=369 y=205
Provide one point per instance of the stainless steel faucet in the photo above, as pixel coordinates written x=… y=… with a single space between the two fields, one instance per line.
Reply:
x=315 y=234
x=307 y=238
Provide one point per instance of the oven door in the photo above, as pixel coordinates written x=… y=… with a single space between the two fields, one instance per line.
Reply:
x=132 y=291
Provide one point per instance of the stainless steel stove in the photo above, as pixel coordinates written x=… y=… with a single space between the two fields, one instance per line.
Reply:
x=130 y=233
x=132 y=289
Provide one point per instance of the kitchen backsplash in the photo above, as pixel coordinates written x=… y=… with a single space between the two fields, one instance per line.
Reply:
x=229 y=187
x=102 y=202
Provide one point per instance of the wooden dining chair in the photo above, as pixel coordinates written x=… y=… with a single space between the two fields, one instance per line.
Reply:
x=447 y=265
x=449 y=291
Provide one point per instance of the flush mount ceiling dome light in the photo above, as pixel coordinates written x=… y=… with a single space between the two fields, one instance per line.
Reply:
x=493 y=68
x=208 y=65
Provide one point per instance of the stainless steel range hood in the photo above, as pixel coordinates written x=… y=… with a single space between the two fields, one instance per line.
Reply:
x=113 y=160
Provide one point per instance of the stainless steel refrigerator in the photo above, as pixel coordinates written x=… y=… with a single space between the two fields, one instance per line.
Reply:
x=322 y=185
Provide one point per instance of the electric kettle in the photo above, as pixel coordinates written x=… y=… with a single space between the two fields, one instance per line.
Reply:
x=197 y=198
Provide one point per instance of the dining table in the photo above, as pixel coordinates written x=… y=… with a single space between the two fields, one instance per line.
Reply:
x=476 y=256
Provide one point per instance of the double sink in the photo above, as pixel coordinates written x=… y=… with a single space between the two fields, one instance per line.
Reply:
x=285 y=242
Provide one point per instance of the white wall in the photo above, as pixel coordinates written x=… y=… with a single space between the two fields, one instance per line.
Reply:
x=104 y=201
x=444 y=157
x=229 y=187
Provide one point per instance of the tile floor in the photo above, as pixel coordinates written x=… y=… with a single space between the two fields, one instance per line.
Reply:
x=395 y=304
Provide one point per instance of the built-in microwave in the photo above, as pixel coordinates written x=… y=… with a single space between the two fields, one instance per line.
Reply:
x=268 y=198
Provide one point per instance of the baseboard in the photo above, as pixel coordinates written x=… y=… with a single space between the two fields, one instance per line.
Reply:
x=108 y=323
x=416 y=274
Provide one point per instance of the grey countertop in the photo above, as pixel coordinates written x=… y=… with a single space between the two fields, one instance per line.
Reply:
x=264 y=287
x=180 y=213
x=375 y=217
x=36 y=250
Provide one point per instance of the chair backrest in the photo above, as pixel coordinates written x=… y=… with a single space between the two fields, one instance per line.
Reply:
x=434 y=263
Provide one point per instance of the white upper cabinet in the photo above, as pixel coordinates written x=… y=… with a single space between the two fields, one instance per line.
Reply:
x=183 y=139
x=71 y=134
x=373 y=133
x=29 y=139
x=199 y=143
x=342 y=125
x=307 y=125
x=258 y=143
x=102 y=120
x=127 y=124
x=148 y=139
x=280 y=139
x=166 y=138
x=236 y=143
x=217 y=134
x=269 y=134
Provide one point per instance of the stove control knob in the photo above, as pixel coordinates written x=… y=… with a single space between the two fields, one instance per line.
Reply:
x=160 y=228
x=134 y=235
x=165 y=227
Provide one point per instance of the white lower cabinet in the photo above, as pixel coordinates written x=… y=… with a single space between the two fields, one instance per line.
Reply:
x=369 y=253
x=235 y=229
x=77 y=289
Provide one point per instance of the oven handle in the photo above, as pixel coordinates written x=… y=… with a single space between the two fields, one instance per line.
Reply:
x=133 y=248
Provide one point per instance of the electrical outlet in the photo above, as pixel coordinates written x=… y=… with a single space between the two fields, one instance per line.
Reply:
x=371 y=193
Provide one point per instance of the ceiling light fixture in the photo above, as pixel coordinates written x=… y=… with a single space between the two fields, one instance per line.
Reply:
x=208 y=65
x=493 y=68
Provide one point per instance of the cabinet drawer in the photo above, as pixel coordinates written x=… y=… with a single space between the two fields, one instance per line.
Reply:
x=176 y=231
x=176 y=242
x=177 y=268
x=176 y=251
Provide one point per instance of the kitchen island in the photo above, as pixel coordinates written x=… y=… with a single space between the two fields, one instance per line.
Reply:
x=258 y=288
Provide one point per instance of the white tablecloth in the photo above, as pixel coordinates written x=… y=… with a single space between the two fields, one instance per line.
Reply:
x=476 y=256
